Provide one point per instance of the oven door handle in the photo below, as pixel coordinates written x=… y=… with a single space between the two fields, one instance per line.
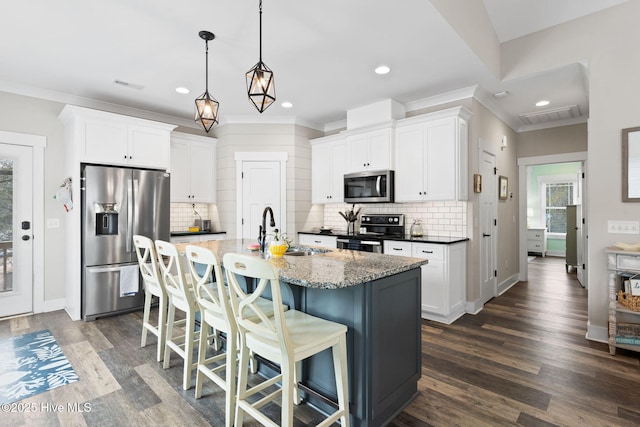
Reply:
x=370 y=242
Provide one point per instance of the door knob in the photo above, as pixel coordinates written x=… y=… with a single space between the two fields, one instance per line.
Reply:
x=26 y=237
x=486 y=235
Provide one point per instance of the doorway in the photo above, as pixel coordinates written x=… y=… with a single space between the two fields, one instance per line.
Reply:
x=261 y=183
x=524 y=165
x=20 y=220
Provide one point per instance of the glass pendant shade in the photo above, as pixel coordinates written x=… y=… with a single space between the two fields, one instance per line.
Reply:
x=261 y=86
x=206 y=105
x=207 y=111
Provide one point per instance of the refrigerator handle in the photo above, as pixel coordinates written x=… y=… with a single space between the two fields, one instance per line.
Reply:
x=130 y=195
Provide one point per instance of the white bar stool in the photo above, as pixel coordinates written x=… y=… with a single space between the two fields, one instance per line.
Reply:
x=153 y=286
x=181 y=297
x=286 y=338
x=215 y=312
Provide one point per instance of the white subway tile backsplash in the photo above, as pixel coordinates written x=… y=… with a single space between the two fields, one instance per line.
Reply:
x=441 y=218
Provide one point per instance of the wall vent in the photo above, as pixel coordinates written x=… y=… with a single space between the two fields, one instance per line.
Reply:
x=552 y=115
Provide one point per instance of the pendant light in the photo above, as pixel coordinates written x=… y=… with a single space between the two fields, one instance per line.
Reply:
x=260 y=83
x=206 y=105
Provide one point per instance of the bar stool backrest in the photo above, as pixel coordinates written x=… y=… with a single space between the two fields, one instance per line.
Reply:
x=148 y=262
x=212 y=298
x=248 y=313
x=173 y=277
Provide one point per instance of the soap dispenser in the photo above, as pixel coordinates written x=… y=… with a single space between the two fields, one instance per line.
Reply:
x=416 y=228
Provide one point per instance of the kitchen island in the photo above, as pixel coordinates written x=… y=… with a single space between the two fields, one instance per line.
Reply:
x=378 y=298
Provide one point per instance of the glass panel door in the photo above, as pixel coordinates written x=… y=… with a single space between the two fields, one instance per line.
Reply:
x=16 y=234
x=6 y=225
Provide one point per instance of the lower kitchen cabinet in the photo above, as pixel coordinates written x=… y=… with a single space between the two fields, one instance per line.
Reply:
x=318 y=240
x=444 y=278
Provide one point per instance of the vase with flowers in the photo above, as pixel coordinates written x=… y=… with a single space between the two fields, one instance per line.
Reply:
x=351 y=216
x=279 y=243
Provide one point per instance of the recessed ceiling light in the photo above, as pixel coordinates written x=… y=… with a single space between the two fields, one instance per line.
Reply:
x=286 y=104
x=382 y=69
x=182 y=90
x=501 y=94
x=542 y=103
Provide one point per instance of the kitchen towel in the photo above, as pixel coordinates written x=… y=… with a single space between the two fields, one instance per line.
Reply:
x=129 y=285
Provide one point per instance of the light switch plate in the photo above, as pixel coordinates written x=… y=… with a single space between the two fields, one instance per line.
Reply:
x=623 y=227
x=53 y=223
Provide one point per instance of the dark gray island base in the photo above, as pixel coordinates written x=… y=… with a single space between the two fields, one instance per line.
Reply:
x=383 y=344
x=378 y=298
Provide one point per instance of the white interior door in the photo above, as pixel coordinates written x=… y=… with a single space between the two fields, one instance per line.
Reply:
x=16 y=223
x=261 y=187
x=488 y=228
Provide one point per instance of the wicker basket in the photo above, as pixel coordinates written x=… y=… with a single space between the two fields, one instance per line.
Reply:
x=629 y=301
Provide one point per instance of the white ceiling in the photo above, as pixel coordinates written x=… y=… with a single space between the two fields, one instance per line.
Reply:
x=322 y=53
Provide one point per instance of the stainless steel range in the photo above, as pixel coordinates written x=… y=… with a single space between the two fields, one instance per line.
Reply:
x=376 y=228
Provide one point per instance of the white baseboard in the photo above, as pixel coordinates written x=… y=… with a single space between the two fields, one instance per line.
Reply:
x=597 y=333
x=50 y=305
x=507 y=284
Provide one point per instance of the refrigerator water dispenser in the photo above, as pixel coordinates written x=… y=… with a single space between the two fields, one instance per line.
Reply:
x=106 y=219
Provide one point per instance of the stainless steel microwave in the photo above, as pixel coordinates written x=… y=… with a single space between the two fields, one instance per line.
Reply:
x=369 y=187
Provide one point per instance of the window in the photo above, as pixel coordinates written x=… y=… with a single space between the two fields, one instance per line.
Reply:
x=556 y=192
x=557 y=197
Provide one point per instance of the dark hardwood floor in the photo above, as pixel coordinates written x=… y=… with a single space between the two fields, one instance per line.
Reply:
x=523 y=360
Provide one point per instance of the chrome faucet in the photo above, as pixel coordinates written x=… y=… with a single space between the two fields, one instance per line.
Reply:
x=262 y=233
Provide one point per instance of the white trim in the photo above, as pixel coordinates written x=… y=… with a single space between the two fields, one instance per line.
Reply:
x=38 y=143
x=578 y=156
x=251 y=156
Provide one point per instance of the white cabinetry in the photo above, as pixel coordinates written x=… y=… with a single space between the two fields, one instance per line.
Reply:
x=111 y=139
x=537 y=240
x=328 y=162
x=193 y=172
x=317 y=240
x=197 y=238
x=431 y=156
x=370 y=150
x=444 y=278
x=99 y=137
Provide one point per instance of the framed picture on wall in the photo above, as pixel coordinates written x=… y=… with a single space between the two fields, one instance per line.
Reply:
x=503 y=187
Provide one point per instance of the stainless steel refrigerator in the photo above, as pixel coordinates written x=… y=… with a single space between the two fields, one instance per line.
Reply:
x=118 y=203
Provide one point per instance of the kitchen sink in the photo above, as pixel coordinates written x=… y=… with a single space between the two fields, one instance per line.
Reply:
x=302 y=251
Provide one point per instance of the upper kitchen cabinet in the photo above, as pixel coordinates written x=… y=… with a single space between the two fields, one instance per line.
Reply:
x=371 y=150
x=193 y=172
x=431 y=156
x=328 y=166
x=106 y=138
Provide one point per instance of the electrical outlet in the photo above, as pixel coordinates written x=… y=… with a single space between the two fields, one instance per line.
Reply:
x=623 y=227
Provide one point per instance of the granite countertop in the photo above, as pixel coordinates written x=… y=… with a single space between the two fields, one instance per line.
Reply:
x=195 y=233
x=337 y=268
x=444 y=240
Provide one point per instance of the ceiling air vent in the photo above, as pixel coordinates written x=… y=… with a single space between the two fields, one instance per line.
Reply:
x=562 y=113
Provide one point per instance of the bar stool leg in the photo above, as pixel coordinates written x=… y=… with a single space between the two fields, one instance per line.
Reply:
x=169 y=336
x=243 y=367
x=289 y=388
x=162 y=326
x=340 y=367
x=188 y=350
x=145 y=317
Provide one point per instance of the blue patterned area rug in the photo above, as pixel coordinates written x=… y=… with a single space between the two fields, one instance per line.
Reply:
x=31 y=364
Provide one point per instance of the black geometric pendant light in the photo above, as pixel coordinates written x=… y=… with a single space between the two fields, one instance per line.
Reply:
x=207 y=105
x=261 y=87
